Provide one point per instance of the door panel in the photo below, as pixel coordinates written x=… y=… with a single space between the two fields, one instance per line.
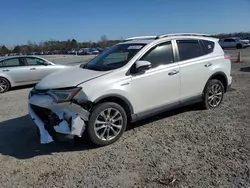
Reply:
x=195 y=67
x=38 y=68
x=155 y=88
x=194 y=75
x=16 y=70
x=159 y=85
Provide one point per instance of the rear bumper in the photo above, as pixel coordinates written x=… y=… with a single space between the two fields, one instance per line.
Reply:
x=52 y=118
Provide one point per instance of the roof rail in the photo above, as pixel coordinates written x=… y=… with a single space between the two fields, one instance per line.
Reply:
x=181 y=34
x=141 y=37
x=165 y=35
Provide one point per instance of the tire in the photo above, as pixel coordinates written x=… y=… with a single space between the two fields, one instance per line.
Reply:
x=239 y=46
x=118 y=126
x=4 y=85
x=213 y=84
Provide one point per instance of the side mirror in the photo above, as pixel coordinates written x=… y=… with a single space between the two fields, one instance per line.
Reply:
x=46 y=63
x=142 y=65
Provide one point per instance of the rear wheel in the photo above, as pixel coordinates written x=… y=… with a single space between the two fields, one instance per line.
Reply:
x=107 y=123
x=4 y=85
x=213 y=94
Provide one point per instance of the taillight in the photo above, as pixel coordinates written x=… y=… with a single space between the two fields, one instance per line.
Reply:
x=226 y=56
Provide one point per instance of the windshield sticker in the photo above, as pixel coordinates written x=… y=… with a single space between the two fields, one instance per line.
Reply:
x=135 y=47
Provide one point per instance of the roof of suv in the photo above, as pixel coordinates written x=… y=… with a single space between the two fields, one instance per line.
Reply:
x=149 y=39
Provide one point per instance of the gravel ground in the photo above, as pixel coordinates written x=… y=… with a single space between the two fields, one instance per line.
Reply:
x=182 y=148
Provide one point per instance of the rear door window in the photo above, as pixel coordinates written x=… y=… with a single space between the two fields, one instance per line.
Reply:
x=189 y=49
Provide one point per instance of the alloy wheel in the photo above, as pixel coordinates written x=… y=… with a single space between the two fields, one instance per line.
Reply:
x=215 y=95
x=3 y=85
x=108 y=124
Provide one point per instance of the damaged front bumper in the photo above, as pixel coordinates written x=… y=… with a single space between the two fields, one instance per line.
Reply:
x=51 y=118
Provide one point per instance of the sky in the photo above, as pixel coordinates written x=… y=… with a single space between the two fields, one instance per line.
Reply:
x=41 y=20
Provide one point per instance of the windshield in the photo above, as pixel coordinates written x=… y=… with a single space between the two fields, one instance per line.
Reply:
x=115 y=57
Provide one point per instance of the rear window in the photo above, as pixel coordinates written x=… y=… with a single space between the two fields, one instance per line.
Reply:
x=208 y=46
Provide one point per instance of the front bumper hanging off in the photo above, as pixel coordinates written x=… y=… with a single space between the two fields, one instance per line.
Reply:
x=51 y=118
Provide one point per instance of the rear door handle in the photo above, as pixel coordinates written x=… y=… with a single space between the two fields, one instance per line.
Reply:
x=173 y=72
x=32 y=68
x=6 y=70
x=208 y=64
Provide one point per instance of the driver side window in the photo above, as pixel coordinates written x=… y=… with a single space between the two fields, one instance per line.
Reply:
x=161 y=54
x=34 y=61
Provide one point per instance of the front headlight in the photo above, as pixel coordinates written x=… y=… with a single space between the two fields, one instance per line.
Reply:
x=64 y=95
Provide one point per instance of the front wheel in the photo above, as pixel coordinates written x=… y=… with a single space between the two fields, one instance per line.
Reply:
x=107 y=123
x=239 y=46
x=213 y=94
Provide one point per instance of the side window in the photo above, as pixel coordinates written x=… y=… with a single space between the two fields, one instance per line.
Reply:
x=227 y=40
x=1 y=64
x=208 y=46
x=160 y=55
x=34 y=61
x=12 y=62
x=189 y=49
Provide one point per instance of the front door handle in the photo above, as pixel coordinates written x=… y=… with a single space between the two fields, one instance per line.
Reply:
x=173 y=72
x=32 y=68
x=6 y=70
x=208 y=64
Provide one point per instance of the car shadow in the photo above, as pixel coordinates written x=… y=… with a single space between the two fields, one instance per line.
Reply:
x=194 y=107
x=245 y=69
x=18 y=137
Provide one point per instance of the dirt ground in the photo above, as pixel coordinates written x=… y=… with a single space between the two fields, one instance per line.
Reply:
x=182 y=148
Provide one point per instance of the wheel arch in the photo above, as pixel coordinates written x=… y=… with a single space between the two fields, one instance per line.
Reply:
x=219 y=76
x=240 y=45
x=119 y=99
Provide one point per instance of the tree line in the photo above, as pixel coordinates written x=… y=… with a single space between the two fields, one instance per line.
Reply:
x=57 y=45
x=53 y=45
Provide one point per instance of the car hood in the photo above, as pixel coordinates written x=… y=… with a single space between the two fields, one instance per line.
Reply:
x=68 y=78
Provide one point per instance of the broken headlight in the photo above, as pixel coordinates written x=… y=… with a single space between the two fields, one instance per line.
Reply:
x=64 y=95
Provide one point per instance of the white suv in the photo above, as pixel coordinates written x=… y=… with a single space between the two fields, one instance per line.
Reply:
x=132 y=80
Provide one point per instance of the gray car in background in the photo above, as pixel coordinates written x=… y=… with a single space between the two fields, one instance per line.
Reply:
x=24 y=70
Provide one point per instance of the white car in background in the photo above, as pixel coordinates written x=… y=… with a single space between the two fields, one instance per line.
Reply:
x=233 y=42
x=24 y=70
